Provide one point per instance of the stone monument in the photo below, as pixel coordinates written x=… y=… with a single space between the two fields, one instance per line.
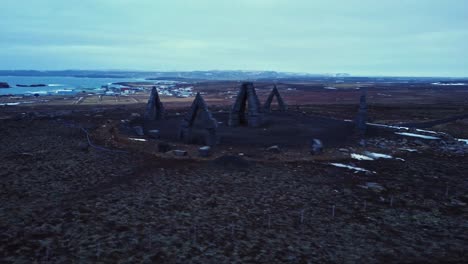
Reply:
x=198 y=125
x=246 y=101
x=154 y=108
x=361 y=118
x=281 y=104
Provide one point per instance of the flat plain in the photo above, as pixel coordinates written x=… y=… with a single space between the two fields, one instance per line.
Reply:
x=120 y=200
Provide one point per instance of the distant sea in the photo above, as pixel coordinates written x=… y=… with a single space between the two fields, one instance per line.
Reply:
x=56 y=83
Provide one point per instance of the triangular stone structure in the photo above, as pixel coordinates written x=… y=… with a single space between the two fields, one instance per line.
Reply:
x=247 y=100
x=281 y=104
x=361 y=118
x=154 y=107
x=198 y=125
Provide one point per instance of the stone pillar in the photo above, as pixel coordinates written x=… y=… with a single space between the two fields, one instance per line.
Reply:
x=199 y=118
x=154 y=107
x=246 y=98
x=281 y=104
x=361 y=118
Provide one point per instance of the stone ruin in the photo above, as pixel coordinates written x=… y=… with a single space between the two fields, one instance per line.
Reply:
x=361 y=117
x=246 y=100
x=281 y=104
x=198 y=126
x=154 y=108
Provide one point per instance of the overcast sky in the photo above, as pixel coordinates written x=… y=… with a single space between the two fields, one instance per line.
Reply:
x=361 y=37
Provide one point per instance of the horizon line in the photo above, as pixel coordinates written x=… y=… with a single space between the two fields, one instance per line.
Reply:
x=238 y=70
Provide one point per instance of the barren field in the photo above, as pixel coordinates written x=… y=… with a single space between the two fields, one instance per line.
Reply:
x=123 y=201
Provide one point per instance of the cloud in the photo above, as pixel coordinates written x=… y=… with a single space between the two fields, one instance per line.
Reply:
x=364 y=37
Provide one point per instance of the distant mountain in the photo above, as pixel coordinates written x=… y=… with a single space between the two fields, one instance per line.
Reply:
x=157 y=75
x=227 y=76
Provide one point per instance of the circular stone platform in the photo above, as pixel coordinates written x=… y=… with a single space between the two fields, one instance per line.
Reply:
x=290 y=129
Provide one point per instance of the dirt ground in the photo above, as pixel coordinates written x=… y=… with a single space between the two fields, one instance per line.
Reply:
x=62 y=201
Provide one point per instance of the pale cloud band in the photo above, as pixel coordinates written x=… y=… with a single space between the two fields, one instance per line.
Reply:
x=413 y=37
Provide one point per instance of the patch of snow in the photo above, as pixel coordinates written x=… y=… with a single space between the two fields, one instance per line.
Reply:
x=357 y=169
x=448 y=84
x=406 y=128
x=137 y=139
x=427 y=131
x=378 y=155
x=360 y=157
x=389 y=126
x=10 y=104
x=416 y=135
x=463 y=140
x=330 y=88
x=409 y=149
x=373 y=156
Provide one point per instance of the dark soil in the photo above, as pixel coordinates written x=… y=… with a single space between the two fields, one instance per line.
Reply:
x=61 y=202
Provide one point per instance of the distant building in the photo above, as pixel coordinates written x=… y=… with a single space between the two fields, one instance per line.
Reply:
x=65 y=92
x=127 y=90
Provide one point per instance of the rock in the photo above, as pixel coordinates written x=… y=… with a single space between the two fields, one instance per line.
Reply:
x=420 y=143
x=139 y=130
x=383 y=145
x=135 y=119
x=180 y=153
x=274 y=149
x=164 y=147
x=362 y=143
x=84 y=146
x=153 y=133
x=373 y=186
x=20 y=116
x=4 y=85
x=316 y=146
x=457 y=202
x=204 y=151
